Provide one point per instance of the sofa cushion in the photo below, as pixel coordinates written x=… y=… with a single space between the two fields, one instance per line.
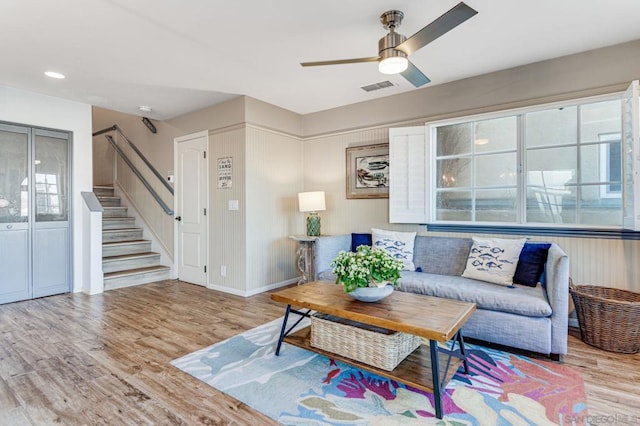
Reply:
x=520 y=300
x=493 y=259
x=531 y=263
x=441 y=255
x=397 y=244
x=359 y=240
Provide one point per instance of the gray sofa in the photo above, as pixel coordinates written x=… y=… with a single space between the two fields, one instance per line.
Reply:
x=529 y=318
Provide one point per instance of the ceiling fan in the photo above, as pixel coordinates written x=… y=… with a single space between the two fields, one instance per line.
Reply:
x=394 y=48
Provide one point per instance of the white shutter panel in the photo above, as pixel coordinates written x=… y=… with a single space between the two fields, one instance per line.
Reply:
x=631 y=157
x=409 y=175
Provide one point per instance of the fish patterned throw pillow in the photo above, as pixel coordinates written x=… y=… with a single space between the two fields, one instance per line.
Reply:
x=397 y=244
x=493 y=260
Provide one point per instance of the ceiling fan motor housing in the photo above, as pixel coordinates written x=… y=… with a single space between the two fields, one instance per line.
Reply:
x=387 y=44
x=391 y=20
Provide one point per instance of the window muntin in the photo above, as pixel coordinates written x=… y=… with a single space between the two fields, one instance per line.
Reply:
x=569 y=158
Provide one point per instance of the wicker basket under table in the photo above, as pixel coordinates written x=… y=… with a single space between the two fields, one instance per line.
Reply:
x=609 y=317
x=375 y=346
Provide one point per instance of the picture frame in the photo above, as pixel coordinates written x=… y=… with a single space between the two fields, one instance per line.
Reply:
x=368 y=171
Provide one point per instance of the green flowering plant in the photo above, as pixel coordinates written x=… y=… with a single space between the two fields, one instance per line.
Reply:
x=367 y=267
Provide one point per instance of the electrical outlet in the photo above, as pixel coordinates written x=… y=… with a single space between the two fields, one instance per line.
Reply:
x=223 y=270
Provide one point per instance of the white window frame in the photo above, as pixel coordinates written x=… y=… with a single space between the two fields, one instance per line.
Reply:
x=431 y=128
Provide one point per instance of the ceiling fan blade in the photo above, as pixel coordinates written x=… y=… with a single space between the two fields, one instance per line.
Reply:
x=445 y=23
x=415 y=76
x=340 y=61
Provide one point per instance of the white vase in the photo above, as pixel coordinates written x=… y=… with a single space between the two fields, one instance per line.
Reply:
x=371 y=294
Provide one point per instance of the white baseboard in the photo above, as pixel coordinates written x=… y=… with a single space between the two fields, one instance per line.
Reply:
x=253 y=292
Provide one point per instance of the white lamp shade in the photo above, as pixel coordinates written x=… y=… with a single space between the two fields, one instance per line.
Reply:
x=311 y=201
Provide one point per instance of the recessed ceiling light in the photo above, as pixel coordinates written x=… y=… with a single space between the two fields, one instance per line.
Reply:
x=54 y=74
x=145 y=108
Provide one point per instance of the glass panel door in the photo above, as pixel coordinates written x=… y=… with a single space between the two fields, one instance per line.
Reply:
x=14 y=214
x=51 y=202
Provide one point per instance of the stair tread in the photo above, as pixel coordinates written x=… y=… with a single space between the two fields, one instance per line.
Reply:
x=119 y=218
x=130 y=256
x=122 y=229
x=122 y=243
x=114 y=207
x=107 y=197
x=136 y=271
x=103 y=186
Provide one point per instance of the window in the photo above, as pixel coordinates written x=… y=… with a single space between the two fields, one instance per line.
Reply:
x=476 y=165
x=551 y=165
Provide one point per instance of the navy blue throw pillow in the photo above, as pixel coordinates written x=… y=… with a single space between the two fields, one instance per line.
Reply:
x=531 y=263
x=359 y=240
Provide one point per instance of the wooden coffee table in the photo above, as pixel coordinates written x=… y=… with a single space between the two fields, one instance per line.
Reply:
x=432 y=318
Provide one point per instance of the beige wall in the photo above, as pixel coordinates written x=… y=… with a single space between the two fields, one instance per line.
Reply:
x=228 y=228
x=245 y=236
x=274 y=176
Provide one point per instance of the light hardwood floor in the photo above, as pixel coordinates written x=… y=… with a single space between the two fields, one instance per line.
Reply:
x=104 y=359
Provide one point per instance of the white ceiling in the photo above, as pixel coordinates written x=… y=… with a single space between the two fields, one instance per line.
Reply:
x=178 y=56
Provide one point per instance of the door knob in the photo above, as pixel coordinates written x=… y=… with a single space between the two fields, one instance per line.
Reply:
x=179 y=218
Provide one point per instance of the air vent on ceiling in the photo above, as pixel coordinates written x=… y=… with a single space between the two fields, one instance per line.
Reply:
x=377 y=86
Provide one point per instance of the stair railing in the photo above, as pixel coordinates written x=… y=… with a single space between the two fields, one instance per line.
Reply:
x=135 y=171
x=144 y=187
x=155 y=171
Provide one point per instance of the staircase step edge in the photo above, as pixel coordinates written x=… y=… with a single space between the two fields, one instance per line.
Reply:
x=124 y=243
x=129 y=256
x=137 y=271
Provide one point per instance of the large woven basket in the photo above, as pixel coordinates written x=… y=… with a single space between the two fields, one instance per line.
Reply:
x=609 y=317
x=375 y=346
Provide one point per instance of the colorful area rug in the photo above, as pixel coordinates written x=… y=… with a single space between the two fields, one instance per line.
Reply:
x=302 y=388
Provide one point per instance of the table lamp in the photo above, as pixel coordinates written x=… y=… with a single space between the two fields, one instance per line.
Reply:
x=312 y=202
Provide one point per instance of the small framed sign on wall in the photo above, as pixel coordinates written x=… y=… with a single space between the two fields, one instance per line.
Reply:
x=368 y=171
x=225 y=172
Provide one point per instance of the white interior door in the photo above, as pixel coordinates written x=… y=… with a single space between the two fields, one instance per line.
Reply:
x=192 y=183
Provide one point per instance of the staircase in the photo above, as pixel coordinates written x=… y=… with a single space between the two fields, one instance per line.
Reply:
x=127 y=259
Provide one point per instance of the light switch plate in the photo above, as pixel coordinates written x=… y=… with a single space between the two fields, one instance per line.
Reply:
x=234 y=205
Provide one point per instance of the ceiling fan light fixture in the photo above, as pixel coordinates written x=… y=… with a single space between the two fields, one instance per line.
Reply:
x=393 y=65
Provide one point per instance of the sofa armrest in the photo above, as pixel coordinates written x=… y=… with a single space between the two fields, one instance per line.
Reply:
x=557 y=286
x=327 y=248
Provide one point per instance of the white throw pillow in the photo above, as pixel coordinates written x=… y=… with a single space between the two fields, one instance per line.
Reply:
x=397 y=244
x=493 y=260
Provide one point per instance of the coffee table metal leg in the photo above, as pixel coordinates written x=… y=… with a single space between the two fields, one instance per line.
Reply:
x=464 y=356
x=435 y=377
x=282 y=330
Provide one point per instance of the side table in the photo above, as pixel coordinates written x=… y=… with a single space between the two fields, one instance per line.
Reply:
x=305 y=255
